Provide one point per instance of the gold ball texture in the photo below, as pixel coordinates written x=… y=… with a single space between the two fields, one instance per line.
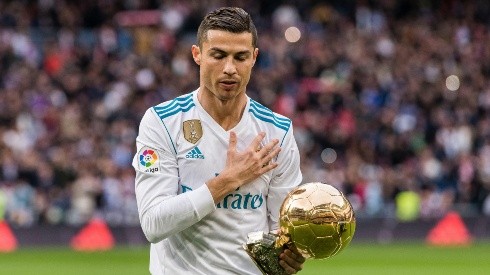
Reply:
x=318 y=219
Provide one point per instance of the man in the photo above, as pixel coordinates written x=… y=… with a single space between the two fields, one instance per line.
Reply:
x=213 y=165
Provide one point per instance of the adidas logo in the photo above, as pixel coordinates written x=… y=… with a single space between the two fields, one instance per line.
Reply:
x=195 y=153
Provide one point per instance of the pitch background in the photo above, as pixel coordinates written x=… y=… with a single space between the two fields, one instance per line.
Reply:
x=360 y=258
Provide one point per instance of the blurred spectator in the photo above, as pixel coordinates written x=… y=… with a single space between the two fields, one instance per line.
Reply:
x=366 y=85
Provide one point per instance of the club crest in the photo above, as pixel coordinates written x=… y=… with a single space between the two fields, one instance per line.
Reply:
x=192 y=130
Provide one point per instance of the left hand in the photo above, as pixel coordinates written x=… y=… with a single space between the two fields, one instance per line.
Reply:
x=291 y=260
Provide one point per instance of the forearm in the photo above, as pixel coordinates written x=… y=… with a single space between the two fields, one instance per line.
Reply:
x=161 y=217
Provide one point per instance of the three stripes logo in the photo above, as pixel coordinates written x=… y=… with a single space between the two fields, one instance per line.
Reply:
x=195 y=153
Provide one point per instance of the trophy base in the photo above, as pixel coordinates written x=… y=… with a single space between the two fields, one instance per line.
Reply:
x=262 y=249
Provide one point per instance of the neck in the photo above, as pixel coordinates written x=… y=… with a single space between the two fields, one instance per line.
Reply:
x=227 y=113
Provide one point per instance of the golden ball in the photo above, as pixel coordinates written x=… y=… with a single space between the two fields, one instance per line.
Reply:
x=318 y=219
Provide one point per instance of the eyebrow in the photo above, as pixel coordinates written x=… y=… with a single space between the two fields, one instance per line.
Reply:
x=215 y=49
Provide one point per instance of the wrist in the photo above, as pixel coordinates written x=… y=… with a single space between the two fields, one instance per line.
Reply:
x=221 y=185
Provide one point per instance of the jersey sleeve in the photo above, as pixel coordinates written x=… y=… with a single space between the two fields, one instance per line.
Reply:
x=162 y=211
x=285 y=178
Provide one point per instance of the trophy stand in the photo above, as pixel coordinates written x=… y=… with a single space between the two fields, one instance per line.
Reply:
x=264 y=249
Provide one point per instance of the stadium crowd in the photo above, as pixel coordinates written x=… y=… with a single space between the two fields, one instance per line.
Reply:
x=367 y=86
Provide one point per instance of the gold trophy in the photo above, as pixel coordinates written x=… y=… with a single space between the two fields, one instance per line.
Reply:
x=315 y=217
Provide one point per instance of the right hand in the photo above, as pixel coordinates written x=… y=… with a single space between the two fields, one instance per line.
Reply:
x=243 y=167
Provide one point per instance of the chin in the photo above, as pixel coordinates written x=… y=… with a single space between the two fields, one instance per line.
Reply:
x=225 y=97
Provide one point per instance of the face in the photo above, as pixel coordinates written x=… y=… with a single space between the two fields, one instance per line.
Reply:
x=226 y=60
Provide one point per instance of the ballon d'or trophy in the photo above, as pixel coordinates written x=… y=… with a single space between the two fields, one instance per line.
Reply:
x=316 y=217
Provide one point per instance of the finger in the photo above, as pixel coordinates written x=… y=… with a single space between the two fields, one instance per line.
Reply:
x=271 y=155
x=296 y=254
x=256 y=142
x=267 y=167
x=232 y=142
x=266 y=150
x=292 y=262
x=293 y=253
x=287 y=268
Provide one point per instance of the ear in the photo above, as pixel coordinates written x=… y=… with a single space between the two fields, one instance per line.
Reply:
x=196 y=54
x=255 y=54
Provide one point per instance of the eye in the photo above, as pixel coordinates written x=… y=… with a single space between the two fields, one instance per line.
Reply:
x=218 y=55
x=241 y=58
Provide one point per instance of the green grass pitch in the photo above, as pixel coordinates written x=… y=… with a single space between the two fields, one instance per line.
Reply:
x=359 y=258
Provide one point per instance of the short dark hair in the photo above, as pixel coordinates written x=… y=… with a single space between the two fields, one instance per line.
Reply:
x=231 y=19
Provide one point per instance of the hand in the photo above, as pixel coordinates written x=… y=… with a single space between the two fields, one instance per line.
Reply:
x=253 y=161
x=245 y=166
x=291 y=260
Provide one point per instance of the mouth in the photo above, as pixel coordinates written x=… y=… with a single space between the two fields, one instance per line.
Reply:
x=228 y=84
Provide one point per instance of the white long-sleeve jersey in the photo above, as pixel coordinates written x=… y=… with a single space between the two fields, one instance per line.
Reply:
x=179 y=148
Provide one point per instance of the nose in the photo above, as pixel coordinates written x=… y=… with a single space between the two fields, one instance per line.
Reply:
x=229 y=67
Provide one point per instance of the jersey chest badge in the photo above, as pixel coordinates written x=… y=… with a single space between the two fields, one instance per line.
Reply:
x=192 y=130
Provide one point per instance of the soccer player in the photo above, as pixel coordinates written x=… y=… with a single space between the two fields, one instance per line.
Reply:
x=214 y=165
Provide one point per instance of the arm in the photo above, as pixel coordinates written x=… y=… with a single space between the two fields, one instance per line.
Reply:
x=287 y=177
x=162 y=212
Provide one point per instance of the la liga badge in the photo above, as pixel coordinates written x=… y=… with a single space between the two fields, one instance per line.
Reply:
x=148 y=158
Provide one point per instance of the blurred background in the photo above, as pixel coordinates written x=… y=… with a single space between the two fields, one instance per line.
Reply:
x=390 y=102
